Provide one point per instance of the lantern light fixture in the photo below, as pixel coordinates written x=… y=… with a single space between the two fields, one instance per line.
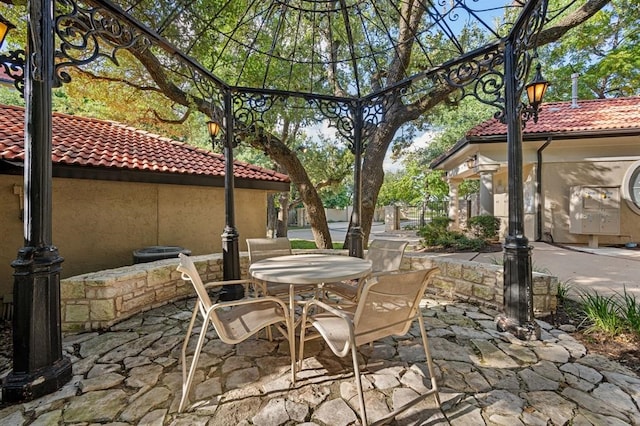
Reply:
x=471 y=162
x=214 y=128
x=535 y=92
x=5 y=27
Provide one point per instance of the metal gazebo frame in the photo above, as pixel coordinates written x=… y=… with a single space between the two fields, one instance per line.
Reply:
x=103 y=29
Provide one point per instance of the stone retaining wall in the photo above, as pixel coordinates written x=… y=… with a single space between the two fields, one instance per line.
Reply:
x=100 y=299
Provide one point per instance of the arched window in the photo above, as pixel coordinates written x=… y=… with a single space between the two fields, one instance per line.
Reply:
x=631 y=187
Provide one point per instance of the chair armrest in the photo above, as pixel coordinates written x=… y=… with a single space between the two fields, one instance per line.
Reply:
x=324 y=306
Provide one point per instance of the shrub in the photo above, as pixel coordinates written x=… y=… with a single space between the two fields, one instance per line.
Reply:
x=434 y=231
x=484 y=226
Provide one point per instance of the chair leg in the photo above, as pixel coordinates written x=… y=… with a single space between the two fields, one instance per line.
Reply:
x=425 y=343
x=186 y=387
x=356 y=372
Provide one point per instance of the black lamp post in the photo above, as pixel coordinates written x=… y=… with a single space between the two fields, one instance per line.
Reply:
x=39 y=367
x=518 y=317
x=230 y=248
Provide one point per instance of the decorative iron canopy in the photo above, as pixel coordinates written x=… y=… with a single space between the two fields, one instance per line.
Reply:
x=345 y=48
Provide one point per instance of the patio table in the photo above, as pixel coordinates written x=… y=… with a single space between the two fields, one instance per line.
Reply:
x=308 y=269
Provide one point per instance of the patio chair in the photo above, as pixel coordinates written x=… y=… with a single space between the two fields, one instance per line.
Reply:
x=385 y=256
x=233 y=321
x=265 y=248
x=388 y=305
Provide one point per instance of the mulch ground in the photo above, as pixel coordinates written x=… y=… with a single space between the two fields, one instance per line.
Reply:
x=624 y=347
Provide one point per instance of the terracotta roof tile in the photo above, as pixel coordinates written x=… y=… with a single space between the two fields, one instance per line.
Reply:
x=560 y=117
x=90 y=142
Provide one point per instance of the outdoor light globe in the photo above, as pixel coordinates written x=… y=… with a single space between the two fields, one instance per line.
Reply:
x=214 y=128
x=537 y=88
x=5 y=26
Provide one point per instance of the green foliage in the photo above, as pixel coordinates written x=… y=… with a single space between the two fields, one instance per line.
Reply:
x=604 y=51
x=629 y=309
x=562 y=291
x=484 y=226
x=434 y=231
x=436 y=234
x=602 y=313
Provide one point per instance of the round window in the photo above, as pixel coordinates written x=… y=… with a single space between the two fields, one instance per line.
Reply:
x=631 y=187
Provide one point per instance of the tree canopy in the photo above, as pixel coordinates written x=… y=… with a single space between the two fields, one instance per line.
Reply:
x=147 y=94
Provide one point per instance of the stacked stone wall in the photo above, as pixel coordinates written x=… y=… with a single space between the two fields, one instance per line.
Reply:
x=100 y=299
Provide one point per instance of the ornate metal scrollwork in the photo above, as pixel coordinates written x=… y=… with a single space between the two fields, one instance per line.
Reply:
x=480 y=77
x=374 y=112
x=341 y=116
x=88 y=33
x=13 y=64
x=249 y=110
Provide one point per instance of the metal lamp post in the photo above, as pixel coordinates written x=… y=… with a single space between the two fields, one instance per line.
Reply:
x=518 y=298
x=230 y=248
x=39 y=367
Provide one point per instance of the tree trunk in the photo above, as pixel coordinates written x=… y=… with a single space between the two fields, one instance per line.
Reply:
x=272 y=216
x=283 y=215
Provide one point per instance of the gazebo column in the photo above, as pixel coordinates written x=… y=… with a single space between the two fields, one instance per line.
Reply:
x=453 y=203
x=38 y=365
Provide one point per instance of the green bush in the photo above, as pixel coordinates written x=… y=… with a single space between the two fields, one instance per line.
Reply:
x=484 y=226
x=434 y=231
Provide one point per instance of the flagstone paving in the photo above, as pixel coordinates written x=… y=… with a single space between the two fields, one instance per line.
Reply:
x=131 y=374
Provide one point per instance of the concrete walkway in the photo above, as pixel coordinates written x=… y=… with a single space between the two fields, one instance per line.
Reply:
x=606 y=270
x=131 y=375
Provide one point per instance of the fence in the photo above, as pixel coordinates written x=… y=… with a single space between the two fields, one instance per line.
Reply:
x=413 y=217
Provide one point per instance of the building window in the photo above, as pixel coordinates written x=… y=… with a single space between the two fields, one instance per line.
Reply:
x=631 y=187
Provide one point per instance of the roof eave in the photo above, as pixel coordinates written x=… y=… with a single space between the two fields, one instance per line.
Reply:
x=532 y=137
x=144 y=176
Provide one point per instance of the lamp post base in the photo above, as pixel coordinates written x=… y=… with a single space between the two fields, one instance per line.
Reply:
x=356 y=237
x=231 y=265
x=23 y=387
x=526 y=331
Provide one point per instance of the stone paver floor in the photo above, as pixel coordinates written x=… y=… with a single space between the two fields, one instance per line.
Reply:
x=131 y=375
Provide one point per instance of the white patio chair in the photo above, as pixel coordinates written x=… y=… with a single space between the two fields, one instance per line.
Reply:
x=388 y=305
x=265 y=248
x=233 y=321
x=385 y=256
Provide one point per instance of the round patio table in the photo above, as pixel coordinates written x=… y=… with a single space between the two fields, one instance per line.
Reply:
x=308 y=269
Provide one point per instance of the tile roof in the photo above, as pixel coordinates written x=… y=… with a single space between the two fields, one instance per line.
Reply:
x=90 y=142
x=560 y=118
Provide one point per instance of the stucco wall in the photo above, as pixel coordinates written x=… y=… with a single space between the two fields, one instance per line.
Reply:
x=97 y=224
x=558 y=178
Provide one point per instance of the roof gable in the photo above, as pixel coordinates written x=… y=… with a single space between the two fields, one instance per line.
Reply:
x=88 y=142
x=561 y=118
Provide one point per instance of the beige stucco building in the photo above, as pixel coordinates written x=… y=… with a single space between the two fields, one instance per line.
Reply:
x=117 y=189
x=581 y=167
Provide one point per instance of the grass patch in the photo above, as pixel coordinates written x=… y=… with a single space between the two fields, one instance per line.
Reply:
x=309 y=244
x=630 y=311
x=602 y=313
x=563 y=291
